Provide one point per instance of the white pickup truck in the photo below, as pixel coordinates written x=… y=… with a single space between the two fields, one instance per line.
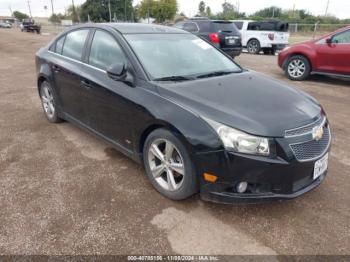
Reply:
x=267 y=36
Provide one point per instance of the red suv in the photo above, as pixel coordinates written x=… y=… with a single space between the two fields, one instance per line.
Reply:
x=328 y=55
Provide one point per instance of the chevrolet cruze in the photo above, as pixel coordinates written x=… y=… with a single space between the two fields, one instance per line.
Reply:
x=195 y=119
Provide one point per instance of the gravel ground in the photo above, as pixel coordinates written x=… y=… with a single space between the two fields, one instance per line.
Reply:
x=63 y=191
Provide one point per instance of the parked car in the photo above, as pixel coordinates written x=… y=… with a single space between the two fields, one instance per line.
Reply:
x=29 y=25
x=5 y=25
x=327 y=55
x=197 y=121
x=222 y=34
x=266 y=36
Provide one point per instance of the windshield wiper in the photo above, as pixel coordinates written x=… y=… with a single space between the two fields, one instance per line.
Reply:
x=216 y=73
x=174 y=78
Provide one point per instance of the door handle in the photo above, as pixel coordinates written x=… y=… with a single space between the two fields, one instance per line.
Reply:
x=86 y=84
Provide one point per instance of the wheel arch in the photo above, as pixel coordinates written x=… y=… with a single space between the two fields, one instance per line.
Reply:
x=307 y=56
x=44 y=74
x=254 y=38
x=41 y=79
x=158 y=124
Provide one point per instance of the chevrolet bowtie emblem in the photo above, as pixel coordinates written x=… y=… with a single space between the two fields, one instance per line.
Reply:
x=317 y=133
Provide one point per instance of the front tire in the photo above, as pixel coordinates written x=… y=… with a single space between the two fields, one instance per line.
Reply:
x=168 y=165
x=49 y=102
x=253 y=46
x=297 y=68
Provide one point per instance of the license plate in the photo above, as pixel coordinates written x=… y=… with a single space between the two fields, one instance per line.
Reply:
x=320 y=166
x=231 y=41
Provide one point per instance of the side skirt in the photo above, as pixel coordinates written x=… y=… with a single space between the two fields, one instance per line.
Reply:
x=329 y=74
x=127 y=152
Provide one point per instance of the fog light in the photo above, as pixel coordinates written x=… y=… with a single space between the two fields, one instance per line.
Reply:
x=242 y=187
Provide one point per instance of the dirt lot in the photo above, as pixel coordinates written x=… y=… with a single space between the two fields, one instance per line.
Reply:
x=62 y=191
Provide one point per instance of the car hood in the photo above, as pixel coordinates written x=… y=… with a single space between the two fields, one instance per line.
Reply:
x=247 y=101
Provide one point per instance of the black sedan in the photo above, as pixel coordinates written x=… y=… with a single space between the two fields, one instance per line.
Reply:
x=196 y=120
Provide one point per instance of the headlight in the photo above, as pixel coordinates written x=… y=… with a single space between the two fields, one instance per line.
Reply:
x=239 y=141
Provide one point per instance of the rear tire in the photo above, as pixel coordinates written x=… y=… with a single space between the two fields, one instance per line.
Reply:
x=253 y=46
x=49 y=102
x=269 y=51
x=168 y=165
x=297 y=68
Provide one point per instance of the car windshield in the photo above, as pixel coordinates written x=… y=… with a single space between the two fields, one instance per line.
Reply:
x=171 y=56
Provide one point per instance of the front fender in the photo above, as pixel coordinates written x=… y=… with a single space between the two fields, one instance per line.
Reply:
x=304 y=50
x=197 y=135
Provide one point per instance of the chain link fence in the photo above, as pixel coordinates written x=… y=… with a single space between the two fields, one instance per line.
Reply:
x=300 y=32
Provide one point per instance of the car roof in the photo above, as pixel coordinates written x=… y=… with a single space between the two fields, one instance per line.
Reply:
x=139 y=28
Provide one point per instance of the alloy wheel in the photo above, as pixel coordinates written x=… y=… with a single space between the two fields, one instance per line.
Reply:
x=296 y=68
x=253 y=47
x=48 y=101
x=166 y=164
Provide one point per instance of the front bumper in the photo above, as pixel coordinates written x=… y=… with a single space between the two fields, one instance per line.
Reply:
x=235 y=51
x=268 y=179
x=285 y=175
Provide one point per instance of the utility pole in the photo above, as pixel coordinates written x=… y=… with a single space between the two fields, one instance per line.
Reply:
x=125 y=10
x=325 y=14
x=109 y=8
x=11 y=10
x=30 y=11
x=148 y=10
x=75 y=17
x=52 y=11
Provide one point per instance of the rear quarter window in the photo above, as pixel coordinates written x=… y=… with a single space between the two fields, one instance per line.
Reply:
x=225 y=27
x=59 y=45
x=239 y=25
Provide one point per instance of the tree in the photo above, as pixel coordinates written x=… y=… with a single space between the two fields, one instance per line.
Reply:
x=269 y=12
x=20 y=16
x=161 y=10
x=98 y=10
x=208 y=11
x=201 y=8
x=228 y=11
x=56 y=18
x=73 y=13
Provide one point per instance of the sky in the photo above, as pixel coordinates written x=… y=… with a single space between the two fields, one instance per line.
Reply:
x=340 y=8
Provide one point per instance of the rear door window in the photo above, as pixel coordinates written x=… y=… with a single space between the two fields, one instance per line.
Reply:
x=190 y=27
x=205 y=26
x=74 y=44
x=179 y=25
x=227 y=27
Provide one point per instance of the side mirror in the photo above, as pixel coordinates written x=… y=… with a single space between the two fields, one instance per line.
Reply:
x=329 y=40
x=121 y=72
x=117 y=71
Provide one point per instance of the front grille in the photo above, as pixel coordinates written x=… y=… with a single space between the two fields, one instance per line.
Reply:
x=305 y=129
x=313 y=149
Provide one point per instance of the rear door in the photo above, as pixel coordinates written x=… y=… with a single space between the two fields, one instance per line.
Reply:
x=66 y=67
x=228 y=33
x=334 y=57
